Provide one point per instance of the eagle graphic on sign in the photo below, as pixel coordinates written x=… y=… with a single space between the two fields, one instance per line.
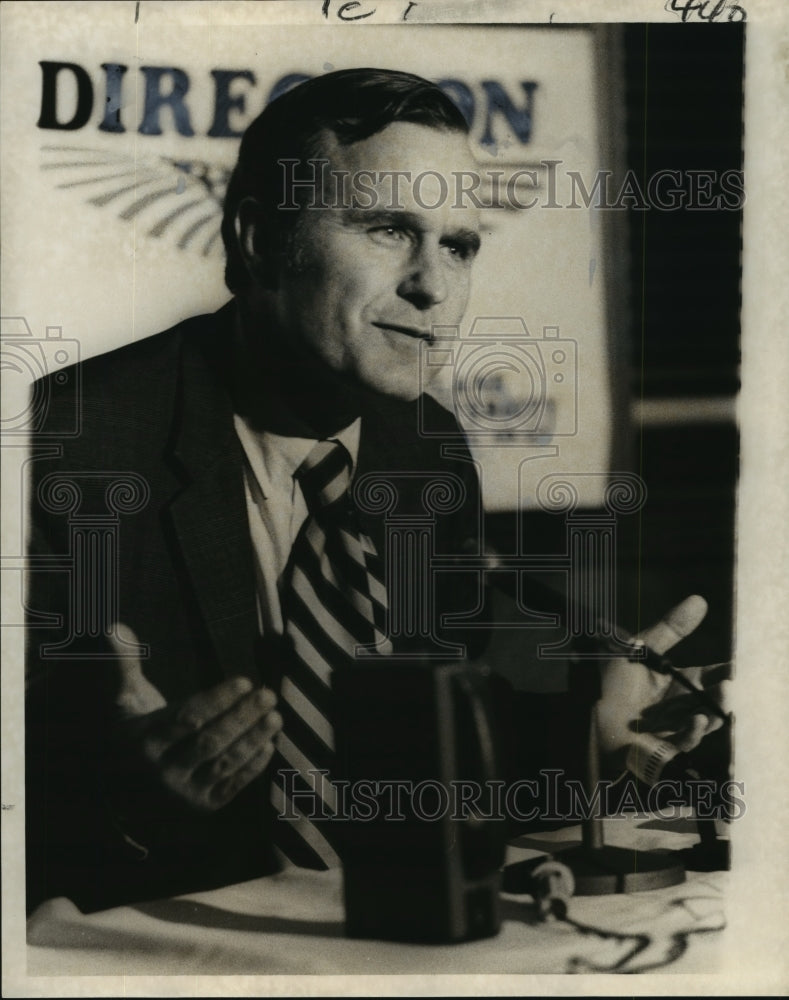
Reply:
x=187 y=194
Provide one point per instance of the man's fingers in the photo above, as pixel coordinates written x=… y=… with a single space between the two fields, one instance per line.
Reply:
x=123 y=640
x=214 y=782
x=715 y=673
x=226 y=790
x=217 y=736
x=627 y=689
x=260 y=737
x=699 y=727
x=205 y=706
x=676 y=624
x=668 y=715
x=136 y=695
x=194 y=714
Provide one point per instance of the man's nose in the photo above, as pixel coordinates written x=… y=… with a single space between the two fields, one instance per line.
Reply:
x=425 y=283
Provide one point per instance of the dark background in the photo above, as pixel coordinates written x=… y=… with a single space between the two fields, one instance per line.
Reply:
x=683 y=100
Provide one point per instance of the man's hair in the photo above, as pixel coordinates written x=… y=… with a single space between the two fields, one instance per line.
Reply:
x=352 y=104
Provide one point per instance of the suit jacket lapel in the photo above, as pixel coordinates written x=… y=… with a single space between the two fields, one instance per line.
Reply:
x=390 y=445
x=209 y=514
x=384 y=423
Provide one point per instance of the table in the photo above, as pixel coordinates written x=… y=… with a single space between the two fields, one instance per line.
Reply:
x=292 y=924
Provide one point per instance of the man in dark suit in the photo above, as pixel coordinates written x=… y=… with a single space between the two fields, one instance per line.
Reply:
x=152 y=708
x=149 y=740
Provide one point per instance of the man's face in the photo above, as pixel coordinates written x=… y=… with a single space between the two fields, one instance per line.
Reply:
x=364 y=286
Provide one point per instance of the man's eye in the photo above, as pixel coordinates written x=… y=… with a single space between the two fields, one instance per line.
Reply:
x=388 y=234
x=459 y=251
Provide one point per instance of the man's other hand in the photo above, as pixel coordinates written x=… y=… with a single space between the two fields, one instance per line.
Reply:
x=203 y=751
x=635 y=698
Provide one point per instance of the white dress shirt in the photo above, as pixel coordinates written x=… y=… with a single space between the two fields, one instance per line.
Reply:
x=275 y=505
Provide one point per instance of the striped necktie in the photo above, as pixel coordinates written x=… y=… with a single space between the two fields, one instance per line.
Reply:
x=333 y=602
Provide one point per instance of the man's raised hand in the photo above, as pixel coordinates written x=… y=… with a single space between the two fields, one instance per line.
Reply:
x=634 y=697
x=203 y=751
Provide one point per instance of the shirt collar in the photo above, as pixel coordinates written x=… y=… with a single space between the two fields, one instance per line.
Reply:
x=274 y=458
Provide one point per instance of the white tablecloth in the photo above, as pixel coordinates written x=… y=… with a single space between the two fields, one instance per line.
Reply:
x=292 y=923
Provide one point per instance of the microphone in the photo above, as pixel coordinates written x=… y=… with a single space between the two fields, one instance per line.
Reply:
x=653 y=760
x=641 y=653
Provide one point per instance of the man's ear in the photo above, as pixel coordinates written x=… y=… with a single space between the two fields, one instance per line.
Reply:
x=256 y=242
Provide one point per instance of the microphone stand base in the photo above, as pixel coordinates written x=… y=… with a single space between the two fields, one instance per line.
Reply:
x=601 y=871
